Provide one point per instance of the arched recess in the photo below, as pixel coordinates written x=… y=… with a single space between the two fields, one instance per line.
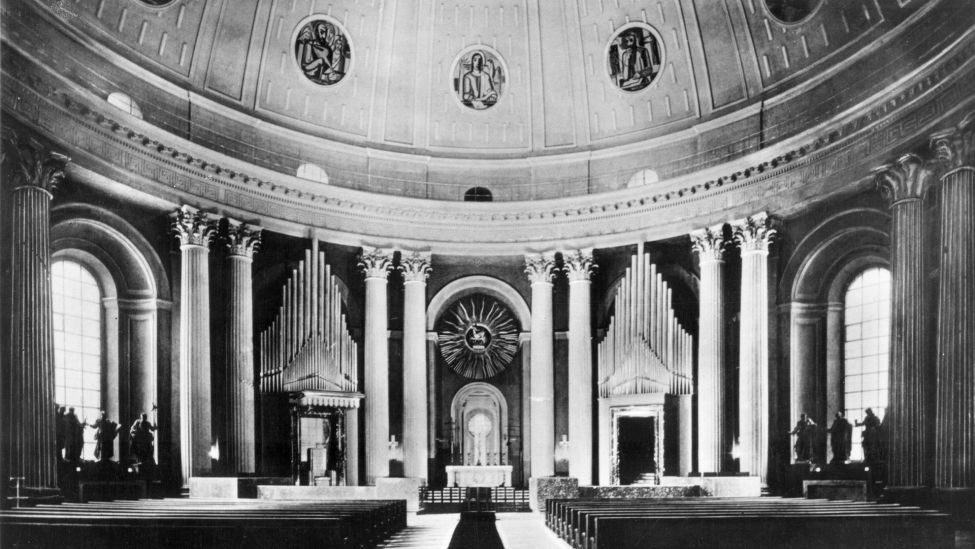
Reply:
x=468 y=285
x=811 y=293
x=136 y=309
x=480 y=399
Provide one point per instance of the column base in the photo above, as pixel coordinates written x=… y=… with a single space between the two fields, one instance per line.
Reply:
x=543 y=488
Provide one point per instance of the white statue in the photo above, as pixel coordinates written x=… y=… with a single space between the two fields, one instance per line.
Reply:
x=479 y=426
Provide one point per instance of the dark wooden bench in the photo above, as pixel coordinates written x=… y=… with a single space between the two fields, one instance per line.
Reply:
x=745 y=522
x=199 y=523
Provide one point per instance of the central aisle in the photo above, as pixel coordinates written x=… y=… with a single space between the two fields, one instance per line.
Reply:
x=516 y=530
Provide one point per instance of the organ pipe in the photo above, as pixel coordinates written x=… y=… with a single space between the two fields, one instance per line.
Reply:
x=644 y=349
x=307 y=347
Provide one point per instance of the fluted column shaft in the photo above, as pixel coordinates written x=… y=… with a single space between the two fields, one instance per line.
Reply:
x=242 y=241
x=415 y=269
x=376 y=265
x=539 y=270
x=195 y=230
x=30 y=411
x=906 y=417
x=754 y=235
x=578 y=267
x=955 y=416
x=709 y=244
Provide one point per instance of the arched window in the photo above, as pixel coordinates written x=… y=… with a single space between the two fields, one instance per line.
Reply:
x=123 y=102
x=478 y=194
x=312 y=172
x=78 y=335
x=866 y=340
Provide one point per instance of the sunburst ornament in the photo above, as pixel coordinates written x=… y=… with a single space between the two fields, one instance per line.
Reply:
x=480 y=338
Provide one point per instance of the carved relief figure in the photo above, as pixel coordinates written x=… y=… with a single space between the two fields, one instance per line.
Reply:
x=634 y=58
x=322 y=52
x=479 y=79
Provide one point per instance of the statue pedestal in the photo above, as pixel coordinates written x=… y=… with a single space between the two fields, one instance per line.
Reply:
x=485 y=476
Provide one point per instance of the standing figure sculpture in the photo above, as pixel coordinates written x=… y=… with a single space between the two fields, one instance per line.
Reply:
x=839 y=438
x=141 y=440
x=59 y=432
x=870 y=437
x=804 y=431
x=74 y=436
x=105 y=432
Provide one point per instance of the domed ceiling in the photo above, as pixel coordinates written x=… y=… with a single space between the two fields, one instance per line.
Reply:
x=568 y=78
x=623 y=116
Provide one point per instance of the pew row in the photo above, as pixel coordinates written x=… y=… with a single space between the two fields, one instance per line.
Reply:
x=745 y=522
x=198 y=523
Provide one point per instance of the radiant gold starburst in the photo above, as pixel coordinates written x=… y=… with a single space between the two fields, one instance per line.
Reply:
x=480 y=338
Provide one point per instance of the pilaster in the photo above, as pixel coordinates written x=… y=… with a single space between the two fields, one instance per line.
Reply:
x=578 y=267
x=540 y=269
x=195 y=229
x=754 y=234
x=242 y=243
x=376 y=264
x=709 y=244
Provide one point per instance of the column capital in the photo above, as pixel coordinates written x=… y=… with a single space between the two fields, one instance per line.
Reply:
x=540 y=268
x=242 y=239
x=905 y=179
x=955 y=147
x=415 y=266
x=709 y=243
x=34 y=165
x=375 y=262
x=193 y=227
x=578 y=265
x=754 y=233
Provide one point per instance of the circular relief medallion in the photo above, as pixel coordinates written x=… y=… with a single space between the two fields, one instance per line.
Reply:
x=479 y=78
x=791 y=11
x=478 y=337
x=634 y=57
x=322 y=51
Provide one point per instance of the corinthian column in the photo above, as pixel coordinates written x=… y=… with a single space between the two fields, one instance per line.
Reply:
x=540 y=270
x=242 y=241
x=35 y=174
x=376 y=265
x=754 y=234
x=955 y=417
x=709 y=244
x=415 y=269
x=906 y=419
x=195 y=230
x=578 y=267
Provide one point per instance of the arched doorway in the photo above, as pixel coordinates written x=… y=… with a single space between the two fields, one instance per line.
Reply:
x=479 y=418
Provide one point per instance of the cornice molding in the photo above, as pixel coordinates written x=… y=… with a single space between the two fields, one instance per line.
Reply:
x=777 y=178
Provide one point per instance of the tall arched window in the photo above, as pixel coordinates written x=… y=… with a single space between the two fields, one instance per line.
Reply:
x=77 y=303
x=866 y=342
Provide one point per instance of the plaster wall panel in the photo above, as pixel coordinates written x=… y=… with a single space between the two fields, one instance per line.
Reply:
x=398 y=177
x=402 y=75
x=557 y=73
x=228 y=56
x=726 y=76
x=448 y=180
x=498 y=26
x=343 y=108
x=552 y=179
x=670 y=98
x=165 y=35
x=785 y=51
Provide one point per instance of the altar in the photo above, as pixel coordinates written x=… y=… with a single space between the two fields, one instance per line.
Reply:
x=479 y=475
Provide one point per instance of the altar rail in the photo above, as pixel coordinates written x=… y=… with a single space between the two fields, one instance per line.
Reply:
x=745 y=522
x=148 y=524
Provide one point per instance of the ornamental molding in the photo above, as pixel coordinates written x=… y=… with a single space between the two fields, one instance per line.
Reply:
x=168 y=167
x=415 y=266
x=375 y=263
x=709 y=243
x=578 y=265
x=32 y=164
x=194 y=227
x=754 y=233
